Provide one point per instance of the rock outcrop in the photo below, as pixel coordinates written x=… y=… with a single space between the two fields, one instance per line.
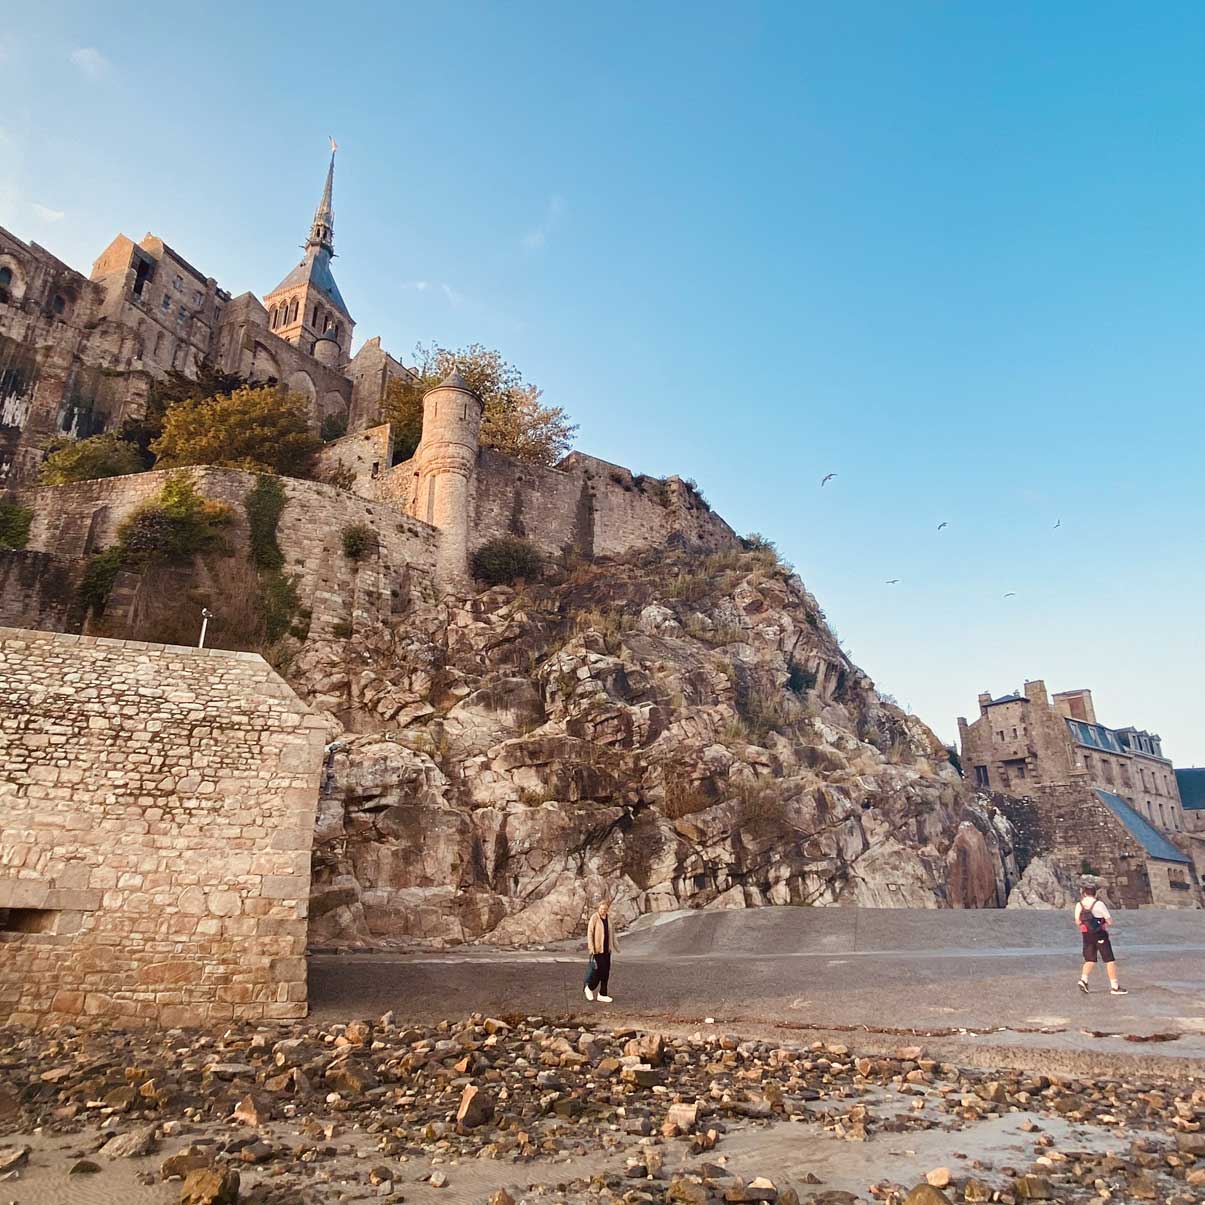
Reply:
x=673 y=730
x=1045 y=884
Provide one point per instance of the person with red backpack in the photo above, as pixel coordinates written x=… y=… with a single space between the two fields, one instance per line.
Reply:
x=1094 y=920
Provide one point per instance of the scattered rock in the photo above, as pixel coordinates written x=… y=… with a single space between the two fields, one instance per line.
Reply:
x=13 y=1157
x=133 y=1144
x=209 y=1186
x=926 y=1194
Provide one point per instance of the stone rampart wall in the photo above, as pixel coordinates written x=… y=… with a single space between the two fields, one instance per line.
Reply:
x=73 y=521
x=35 y=590
x=156 y=819
x=599 y=508
x=364 y=454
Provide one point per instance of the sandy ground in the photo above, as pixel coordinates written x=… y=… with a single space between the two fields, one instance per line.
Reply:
x=988 y=980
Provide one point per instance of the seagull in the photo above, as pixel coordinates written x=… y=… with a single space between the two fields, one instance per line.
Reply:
x=827 y=477
x=1011 y=594
x=941 y=525
x=1057 y=525
x=892 y=580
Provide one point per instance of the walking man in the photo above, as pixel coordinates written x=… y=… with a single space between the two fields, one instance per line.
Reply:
x=1094 y=920
x=600 y=943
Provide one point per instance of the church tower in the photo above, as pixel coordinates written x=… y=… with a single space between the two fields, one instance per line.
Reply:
x=306 y=308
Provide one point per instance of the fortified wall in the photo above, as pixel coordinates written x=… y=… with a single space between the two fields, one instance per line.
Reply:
x=156 y=820
x=474 y=494
x=71 y=522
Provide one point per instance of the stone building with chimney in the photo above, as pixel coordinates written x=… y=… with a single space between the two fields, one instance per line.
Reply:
x=1027 y=738
x=1107 y=799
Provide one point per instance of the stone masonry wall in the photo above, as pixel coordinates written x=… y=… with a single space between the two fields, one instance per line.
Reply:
x=1081 y=832
x=73 y=521
x=156 y=818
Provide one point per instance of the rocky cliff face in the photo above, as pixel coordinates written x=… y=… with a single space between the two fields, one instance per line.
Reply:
x=673 y=731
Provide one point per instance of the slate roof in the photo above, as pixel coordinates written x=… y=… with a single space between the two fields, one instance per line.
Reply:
x=1192 y=788
x=1007 y=699
x=1094 y=736
x=1141 y=829
x=316 y=268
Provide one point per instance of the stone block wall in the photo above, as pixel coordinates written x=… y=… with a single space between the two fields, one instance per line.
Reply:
x=600 y=508
x=1080 y=831
x=156 y=819
x=364 y=454
x=35 y=590
x=73 y=521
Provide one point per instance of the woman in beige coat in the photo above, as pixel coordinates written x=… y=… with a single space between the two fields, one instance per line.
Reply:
x=601 y=944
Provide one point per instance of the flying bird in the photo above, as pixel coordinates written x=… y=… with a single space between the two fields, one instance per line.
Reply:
x=1057 y=525
x=941 y=525
x=1011 y=594
x=827 y=478
x=892 y=580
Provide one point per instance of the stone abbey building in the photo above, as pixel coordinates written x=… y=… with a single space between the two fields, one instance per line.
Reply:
x=78 y=353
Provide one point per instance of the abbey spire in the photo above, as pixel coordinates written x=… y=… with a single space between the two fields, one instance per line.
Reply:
x=306 y=308
x=322 y=232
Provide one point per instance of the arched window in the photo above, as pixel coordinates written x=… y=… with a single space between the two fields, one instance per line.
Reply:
x=293 y=311
x=314 y=320
x=338 y=331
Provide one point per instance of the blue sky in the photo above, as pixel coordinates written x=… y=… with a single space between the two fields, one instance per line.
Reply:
x=954 y=253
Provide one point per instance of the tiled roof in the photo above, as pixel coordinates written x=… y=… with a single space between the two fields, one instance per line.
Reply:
x=1141 y=829
x=1192 y=788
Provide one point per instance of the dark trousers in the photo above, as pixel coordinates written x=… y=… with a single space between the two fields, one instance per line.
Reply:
x=599 y=973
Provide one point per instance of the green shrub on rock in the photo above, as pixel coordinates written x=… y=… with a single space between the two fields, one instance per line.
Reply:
x=14 y=524
x=359 y=541
x=506 y=559
x=173 y=527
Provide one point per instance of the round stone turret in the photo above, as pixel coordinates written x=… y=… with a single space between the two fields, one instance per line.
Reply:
x=444 y=463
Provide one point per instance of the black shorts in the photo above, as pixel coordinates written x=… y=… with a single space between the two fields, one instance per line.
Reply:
x=1098 y=944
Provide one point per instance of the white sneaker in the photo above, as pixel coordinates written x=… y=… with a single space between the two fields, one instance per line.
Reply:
x=604 y=999
x=590 y=994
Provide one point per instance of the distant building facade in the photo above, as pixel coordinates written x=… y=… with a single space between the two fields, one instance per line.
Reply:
x=1020 y=740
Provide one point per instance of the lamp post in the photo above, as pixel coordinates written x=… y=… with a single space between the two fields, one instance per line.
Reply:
x=206 y=616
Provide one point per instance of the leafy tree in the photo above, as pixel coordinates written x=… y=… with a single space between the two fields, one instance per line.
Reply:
x=105 y=455
x=265 y=430
x=515 y=422
x=175 y=387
